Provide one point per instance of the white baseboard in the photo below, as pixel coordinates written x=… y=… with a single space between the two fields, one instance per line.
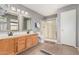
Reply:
x=60 y=43
x=70 y=45
x=51 y=40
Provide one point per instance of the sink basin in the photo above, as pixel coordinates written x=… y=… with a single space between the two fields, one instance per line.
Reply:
x=19 y=33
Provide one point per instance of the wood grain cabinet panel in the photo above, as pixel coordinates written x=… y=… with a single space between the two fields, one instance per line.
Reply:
x=12 y=47
x=4 y=47
x=21 y=44
x=34 y=40
x=7 y=46
x=31 y=41
x=28 y=42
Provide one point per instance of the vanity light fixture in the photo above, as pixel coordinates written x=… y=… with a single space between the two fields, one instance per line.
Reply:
x=18 y=10
x=22 y=12
x=26 y=13
x=13 y=8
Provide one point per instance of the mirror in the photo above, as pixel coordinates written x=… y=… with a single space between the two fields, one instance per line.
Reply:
x=13 y=23
x=26 y=24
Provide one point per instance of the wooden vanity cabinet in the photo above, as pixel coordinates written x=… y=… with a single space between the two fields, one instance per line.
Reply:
x=15 y=45
x=20 y=44
x=34 y=40
x=12 y=46
x=4 y=47
x=7 y=46
x=31 y=41
x=28 y=42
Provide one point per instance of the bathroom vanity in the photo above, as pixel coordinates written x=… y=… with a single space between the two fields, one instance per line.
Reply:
x=12 y=45
x=13 y=19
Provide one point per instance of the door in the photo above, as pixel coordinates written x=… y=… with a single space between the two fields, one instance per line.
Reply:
x=48 y=29
x=68 y=27
x=43 y=29
x=51 y=26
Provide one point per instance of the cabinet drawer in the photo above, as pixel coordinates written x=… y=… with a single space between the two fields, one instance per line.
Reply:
x=21 y=47
x=28 y=43
x=21 y=39
x=20 y=44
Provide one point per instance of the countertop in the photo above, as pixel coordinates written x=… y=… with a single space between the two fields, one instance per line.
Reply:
x=15 y=35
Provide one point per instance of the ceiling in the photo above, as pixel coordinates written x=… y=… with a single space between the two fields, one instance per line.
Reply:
x=45 y=9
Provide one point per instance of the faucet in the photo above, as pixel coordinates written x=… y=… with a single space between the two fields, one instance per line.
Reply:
x=10 y=34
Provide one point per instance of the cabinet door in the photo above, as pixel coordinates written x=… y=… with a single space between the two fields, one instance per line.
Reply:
x=21 y=44
x=4 y=47
x=28 y=42
x=12 y=46
x=34 y=40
